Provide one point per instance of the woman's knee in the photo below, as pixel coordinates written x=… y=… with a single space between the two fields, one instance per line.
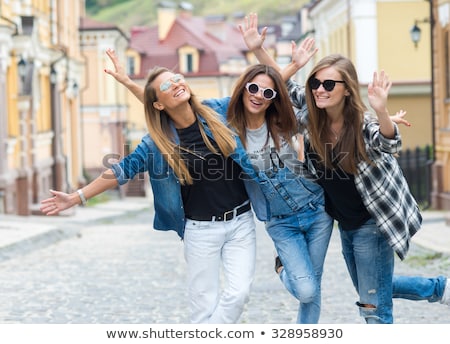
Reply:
x=305 y=289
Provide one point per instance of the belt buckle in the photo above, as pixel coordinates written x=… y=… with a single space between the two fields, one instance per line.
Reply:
x=225 y=215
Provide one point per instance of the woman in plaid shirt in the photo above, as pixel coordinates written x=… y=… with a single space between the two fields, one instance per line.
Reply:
x=350 y=152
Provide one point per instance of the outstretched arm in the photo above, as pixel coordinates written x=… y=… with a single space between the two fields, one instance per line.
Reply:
x=121 y=76
x=61 y=201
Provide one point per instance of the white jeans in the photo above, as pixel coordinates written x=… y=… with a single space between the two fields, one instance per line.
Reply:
x=207 y=246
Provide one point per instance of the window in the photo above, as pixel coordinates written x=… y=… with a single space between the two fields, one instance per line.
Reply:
x=131 y=67
x=189 y=63
x=27 y=25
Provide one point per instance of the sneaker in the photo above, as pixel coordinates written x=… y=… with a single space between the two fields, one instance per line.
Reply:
x=445 y=300
x=278 y=265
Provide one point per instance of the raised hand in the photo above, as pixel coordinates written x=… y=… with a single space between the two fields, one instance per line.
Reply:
x=119 y=72
x=249 y=30
x=121 y=76
x=304 y=52
x=378 y=91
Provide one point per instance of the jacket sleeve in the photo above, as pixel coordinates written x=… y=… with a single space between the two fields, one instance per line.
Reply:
x=136 y=162
x=376 y=140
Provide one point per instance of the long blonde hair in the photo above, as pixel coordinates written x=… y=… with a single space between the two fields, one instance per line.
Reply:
x=352 y=141
x=160 y=129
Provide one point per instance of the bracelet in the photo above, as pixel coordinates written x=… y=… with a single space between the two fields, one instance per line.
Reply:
x=83 y=199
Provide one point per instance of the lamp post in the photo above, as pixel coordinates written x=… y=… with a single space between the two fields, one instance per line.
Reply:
x=416 y=32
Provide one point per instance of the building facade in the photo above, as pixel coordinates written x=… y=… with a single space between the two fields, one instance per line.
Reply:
x=40 y=69
x=439 y=20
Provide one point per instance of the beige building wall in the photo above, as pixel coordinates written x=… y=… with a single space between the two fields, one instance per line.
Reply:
x=104 y=110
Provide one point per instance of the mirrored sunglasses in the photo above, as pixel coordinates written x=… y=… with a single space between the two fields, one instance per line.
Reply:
x=267 y=93
x=173 y=80
x=328 y=85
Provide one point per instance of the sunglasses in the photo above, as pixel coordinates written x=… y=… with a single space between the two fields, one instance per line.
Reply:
x=267 y=93
x=168 y=83
x=328 y=85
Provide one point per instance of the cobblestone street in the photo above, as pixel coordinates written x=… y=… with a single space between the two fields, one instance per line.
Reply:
x=122 y=271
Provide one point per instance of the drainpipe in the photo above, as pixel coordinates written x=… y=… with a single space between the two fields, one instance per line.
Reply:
x=57 y=152
x=433 y=120
x=433 y=133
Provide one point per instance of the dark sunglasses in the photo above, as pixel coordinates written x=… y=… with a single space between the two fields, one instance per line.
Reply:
x=267 y=93
x=328 y=85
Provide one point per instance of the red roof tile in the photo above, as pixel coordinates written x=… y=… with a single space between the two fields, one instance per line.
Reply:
x=191 y=31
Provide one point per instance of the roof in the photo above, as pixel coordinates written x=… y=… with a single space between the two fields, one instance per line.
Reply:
x=89 y=24
x=192 y=31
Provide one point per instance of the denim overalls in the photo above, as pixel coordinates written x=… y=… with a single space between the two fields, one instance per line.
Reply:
x=300 y=229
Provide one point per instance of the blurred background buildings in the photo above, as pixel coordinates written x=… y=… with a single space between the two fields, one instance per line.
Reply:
x=63 y=119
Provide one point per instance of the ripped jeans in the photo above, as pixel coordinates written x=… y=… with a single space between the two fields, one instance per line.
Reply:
x=370 y=263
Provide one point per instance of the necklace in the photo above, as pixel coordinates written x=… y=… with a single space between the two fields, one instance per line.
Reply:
x=336 y=136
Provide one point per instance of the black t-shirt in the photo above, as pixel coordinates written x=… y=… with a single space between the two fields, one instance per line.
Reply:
x=342 y=200
x=218 y=186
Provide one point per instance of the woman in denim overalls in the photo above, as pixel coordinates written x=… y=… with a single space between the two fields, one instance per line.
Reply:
x=261 y=112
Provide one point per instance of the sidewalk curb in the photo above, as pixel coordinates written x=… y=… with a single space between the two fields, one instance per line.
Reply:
x=70 y=226
x=38 y=241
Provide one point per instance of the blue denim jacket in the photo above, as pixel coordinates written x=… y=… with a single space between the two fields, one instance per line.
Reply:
x=168 y=204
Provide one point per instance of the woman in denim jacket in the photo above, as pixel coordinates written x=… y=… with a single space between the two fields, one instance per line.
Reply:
x=291 y=203
x=197 y=168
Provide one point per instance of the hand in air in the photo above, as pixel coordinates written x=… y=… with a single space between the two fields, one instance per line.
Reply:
x=304 y=52
x=378 y=91
x=119 y=72
x=249 y=30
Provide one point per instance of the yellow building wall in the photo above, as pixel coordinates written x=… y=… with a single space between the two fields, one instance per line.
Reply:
x=12 y=84
x=419 y=133
x=397 y=54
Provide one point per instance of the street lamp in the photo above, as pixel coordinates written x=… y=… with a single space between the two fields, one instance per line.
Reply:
x=22 y=71
x=415 y=31
x=75 y=89
x=22 y=66
x=53 y=75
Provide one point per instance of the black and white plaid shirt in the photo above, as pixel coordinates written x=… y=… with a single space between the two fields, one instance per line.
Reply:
x=381 y=185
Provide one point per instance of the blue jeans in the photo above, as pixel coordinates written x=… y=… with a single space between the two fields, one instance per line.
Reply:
x=301 y=241
x=417 y=288
x=370 y=263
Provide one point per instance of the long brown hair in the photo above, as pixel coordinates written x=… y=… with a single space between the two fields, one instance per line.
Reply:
x=351 y=142
x=280 y=117
x=160 y=129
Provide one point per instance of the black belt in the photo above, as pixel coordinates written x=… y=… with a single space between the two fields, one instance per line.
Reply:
x=226 y=216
